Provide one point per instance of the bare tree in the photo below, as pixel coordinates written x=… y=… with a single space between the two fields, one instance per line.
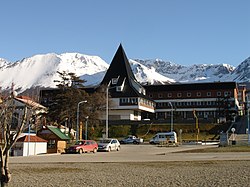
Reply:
x=10 y=133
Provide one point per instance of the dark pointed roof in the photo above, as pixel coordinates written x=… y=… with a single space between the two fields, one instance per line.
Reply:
x=120 y=69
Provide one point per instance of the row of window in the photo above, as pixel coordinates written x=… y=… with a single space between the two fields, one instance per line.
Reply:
x=193 y=103
x=189 y=94
x=135 y=101
x=184 y=114
x=129 y=100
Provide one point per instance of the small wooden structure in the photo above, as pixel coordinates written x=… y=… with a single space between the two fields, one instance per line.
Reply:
x=57 y=140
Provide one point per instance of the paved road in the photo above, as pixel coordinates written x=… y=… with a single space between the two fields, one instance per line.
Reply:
x=136 y=153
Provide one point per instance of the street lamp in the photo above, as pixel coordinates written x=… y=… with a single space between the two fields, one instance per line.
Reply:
x=86 y=127
x=77 y=118
x=107 y=108
x=248 y=126
x=171 y=116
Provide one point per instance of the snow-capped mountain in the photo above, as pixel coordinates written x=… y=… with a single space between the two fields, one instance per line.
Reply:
x=242 y=72
x=3 y=63
x=41 y=71
x=193 y=73
x=148 y=75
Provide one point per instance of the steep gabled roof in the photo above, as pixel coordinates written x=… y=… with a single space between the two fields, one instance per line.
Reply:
x=120 y=69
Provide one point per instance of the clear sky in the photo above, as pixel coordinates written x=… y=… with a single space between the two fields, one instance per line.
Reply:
x=182 y=31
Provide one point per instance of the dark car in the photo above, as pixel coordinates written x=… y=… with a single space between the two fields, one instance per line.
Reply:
x=83 y=146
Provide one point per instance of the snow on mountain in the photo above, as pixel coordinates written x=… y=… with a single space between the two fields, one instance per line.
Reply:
x=206 y=73
x=147 y=75
x=3 y=63
x=41 y=70
x=93 y=79
x=242 y=72
x=200 y=72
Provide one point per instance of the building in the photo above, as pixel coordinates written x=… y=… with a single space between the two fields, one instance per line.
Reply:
x=29 y=144
x=212 y=102
x=129 y=102
x=34 y=109
x=127 y=97
x=57 y=139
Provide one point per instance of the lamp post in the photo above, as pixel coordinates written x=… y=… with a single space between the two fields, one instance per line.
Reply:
x=107 y=108
x=248 y=126
x=77 y=118
x=172 y=120
x=86 y=127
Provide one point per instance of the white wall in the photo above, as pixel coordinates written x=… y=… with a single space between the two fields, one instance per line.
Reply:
x=34 y=148
x=30 y=148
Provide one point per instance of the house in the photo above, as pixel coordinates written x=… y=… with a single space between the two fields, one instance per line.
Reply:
x=128 y=97
x=34 y=109
x=57 y=140
x=34 y=112
x=29 y=144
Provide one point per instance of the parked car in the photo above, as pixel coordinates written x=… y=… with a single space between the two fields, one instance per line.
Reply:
x=109 y=145
x=164 y=137
x=131 y=139
x=83 y=146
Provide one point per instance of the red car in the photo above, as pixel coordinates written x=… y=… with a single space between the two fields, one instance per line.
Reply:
x=83 y=146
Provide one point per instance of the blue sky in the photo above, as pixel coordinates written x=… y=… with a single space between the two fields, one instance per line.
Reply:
x=182 y=31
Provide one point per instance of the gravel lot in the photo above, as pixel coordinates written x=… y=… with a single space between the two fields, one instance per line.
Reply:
x=134 y=165
x=191 y=173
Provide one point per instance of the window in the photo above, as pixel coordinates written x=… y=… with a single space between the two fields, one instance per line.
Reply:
x=134 y=100
x=188 y=94
x=198 y=94
x=51 y=144
x=160 y=95
x=159 y=104
x=218 y=93
x=150 y=95
x=169 y=94
x=227 y=94
x=208 y=94
x=115 y=80
x=119 y=88
x=179 y=94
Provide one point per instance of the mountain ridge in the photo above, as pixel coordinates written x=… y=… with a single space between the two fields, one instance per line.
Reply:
x=41 y=70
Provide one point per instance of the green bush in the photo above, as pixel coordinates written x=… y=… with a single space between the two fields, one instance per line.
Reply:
x=119 y=131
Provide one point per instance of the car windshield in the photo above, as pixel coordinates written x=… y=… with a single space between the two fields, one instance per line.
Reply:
x=129 y=137
x=104 y=141
x=79 y=143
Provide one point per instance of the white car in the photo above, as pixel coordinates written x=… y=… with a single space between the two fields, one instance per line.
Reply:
x=109 y=145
